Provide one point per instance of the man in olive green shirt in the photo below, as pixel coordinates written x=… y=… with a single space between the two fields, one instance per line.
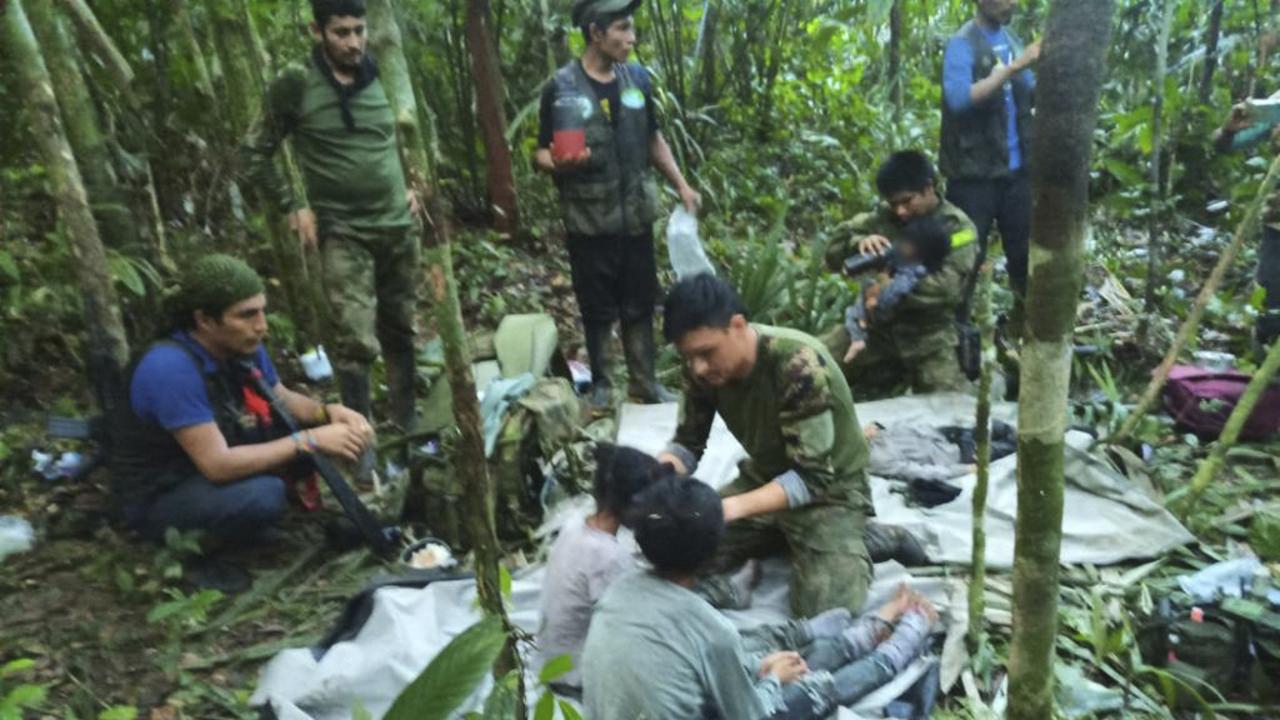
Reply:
x=917 y=348
x=357 y=208
x=803 y=489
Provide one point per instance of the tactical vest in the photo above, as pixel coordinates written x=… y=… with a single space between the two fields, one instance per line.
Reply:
x=146 y=459
x=614 y=193
x=974 y=143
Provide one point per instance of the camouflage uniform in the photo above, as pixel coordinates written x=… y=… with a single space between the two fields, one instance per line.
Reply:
x=918 y=349
x=350 y=165
x=793 y=415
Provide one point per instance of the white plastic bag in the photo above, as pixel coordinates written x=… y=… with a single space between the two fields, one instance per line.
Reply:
x=683 y=247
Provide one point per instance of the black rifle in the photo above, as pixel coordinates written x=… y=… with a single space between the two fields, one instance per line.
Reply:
x=859 y=263
x=380 y=538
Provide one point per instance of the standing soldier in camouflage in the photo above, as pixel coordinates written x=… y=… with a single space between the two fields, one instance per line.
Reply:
x=357 y=209
x=608 y=198
x=803 y=489
x=917 y=348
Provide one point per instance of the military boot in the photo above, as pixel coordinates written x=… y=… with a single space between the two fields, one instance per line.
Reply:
x=596 y=336
x=353 y=385
x=402 y=373
x=642 y=383
x=891 y=542
x=1265 y=333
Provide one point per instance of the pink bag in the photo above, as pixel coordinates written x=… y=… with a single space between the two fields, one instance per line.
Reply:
x=1200 y=401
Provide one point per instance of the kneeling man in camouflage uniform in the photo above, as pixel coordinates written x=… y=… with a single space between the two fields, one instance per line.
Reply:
x=803 y=489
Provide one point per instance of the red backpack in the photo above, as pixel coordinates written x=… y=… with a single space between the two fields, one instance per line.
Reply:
x=1200 y=401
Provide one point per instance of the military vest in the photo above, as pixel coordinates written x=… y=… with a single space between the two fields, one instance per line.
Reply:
x=614 y=193
x=974 y=143
x=146 y=459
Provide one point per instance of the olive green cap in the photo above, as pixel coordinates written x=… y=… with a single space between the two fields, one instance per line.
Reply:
x=587 y=11
x=214 y=283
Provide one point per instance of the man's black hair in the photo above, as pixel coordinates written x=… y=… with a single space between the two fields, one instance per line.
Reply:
x=678 y=522
x=621 y=473
x=701 y=301
x=904 y=171
x=602 y=24
x=324 y=10
x=931 y=240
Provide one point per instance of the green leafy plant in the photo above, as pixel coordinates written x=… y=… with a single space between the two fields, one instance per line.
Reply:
x=22 y=696
x=453 y=675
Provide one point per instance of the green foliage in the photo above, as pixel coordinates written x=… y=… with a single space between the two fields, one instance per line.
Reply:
x=16 y=698
x=453 y=675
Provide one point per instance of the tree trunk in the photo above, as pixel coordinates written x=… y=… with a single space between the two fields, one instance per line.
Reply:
x=499 y=176
x=241 y=74
x=1211 y=35
x=1211 y=465
x=1075 y=41
x=108 y=345
x=1157 y=140
x=468 y=461
x=190 y=45
x=385 y=41
x=895 y=57
x=84 y=131
x=707 y=53
x=982 y=438
x=1247 y=228
x=96 y=38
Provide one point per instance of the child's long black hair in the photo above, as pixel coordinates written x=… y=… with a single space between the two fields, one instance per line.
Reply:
x=622 y=473
x=931 y=241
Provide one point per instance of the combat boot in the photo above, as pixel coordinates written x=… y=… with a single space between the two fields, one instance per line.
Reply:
x=642 y=383
x=596 y=336
x=402 y=373
x=353 y=385
x=1265 y=333
x=891 y=542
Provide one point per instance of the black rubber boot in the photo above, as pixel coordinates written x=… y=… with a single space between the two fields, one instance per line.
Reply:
x=1265 y=333
x=402 y=375
x=596 y=336
x=891 y=542
x=353 y=385
x=642 y=382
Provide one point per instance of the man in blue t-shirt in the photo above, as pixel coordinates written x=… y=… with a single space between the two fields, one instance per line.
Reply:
x=197 y=447
x=987 y=99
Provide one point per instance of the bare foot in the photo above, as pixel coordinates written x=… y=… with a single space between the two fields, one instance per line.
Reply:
x=902 y=599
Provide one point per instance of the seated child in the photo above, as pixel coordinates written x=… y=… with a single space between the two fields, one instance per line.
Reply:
x=587 y=556
x=658 y=650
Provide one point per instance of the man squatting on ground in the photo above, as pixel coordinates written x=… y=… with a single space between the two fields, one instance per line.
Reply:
x=196 y=448
x=608 y=198
x=656 y=649
x=357 y=209
x=802 y=491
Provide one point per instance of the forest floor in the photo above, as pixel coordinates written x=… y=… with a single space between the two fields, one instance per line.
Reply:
x=113 y=627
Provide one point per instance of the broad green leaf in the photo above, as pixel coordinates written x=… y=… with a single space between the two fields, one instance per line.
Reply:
x=25 y=696
x=9 y=267
x=453 y=675
x=16 y=666
x=568 y=711
x=555 y=669
x=546 y=708
x=119 y=712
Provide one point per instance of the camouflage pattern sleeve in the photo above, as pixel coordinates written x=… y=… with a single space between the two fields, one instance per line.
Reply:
x=273 y=124
x=697 y=412
x=847 y=236
x=806 y=419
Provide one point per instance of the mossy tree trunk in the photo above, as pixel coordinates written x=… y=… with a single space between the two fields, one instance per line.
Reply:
x=100 y=43
x=108 y=344
x=487 y=77
x=190 y=44
x=982 y=437
x=1212 y=34
x=386 y=42
x=83 y=127
x=1075 y=42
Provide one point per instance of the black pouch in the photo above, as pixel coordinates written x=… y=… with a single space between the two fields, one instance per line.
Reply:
x=969 y=349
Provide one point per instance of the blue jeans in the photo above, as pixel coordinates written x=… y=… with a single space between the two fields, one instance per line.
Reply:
x=230 y=511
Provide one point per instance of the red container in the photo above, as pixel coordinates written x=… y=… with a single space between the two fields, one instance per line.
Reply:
x=569 y=137
x=569 y=144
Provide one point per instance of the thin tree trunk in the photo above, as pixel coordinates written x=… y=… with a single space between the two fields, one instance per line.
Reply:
x=97 y=39
x=469 y=459
x=190 y=45
x=1211 y=35
x=1247 y=228
x=895 y=57
x=500 y=179
x=982 y=438
x=1075 y=43
x=1157 y=140
x=241 y=75
x=707 y=53
x=108 y=345
x=1212 y=464
x=84 y=132
x=385 y=41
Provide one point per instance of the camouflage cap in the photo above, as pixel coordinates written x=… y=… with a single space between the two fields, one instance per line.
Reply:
x=587 y=11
